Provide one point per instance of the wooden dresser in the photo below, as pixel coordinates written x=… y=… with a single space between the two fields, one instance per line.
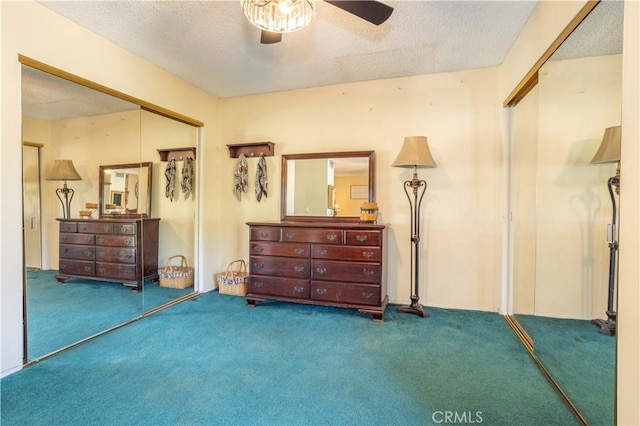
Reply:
x=118 y=250
x=332 y=264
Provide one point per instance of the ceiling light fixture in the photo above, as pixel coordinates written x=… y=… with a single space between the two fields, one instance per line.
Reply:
x=279 y=16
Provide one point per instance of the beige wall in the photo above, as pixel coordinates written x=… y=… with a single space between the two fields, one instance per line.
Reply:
x=459 y=112
x=628 y=350
x=577 y=100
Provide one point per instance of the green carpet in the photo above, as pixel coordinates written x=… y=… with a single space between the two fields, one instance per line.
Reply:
x=211 y=360
x=61 y=314
x=580 y=359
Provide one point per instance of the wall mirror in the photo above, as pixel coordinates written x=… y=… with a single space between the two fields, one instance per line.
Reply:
x=561 y=207
x=328 y=186
x=125 y=190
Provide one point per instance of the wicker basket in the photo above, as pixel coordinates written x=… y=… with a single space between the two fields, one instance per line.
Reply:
x=235 y=280
x=176 y=276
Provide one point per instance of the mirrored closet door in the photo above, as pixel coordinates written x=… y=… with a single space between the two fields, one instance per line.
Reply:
x=70 y=121
x=561 y=209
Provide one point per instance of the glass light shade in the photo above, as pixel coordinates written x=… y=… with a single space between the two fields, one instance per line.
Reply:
x=415 y=153
x=609 y=150
x=279 y=16
x=63 y=170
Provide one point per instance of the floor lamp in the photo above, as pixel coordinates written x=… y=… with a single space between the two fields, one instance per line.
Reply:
x=64 y=170
x=415 y=153
x=609 y=152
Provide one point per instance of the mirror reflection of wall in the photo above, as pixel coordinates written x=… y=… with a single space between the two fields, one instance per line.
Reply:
x=96 y=129
x=561 y=207
x=325 y=186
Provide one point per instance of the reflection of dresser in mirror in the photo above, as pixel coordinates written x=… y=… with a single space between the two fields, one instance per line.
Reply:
x=116 y=250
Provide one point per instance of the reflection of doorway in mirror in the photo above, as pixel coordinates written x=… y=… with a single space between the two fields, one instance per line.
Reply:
x=131 y=192
x=117 y=199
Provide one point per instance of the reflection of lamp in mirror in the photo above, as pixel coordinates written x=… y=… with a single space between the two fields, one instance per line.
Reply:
x=609 y=152
x=64 y=170
x=415 y=153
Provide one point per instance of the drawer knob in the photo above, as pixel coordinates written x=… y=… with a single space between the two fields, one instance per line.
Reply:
x=298 y=289
x=298 y=251
x=100 y=255
x=87 y=268
x=298 y=269
x=88 y=253
x=332 y=237
x=264 y=234
x=257 y=265
x=290 y=235
x=362 y=238
x=101 y=270
x=368 y=254
x=367 y=294
x=82 y=228
x=258 y=284
x=106 y=228
x=321 y=291
x=258 y=249
x=100 y=240
x=368 y=272
x=123 y=229
x=63 y=238
x=128 y=242
x=321 y=271
x=322 y=252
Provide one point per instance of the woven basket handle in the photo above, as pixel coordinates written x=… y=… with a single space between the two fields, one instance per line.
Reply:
x=240 y=266
x=170 y=266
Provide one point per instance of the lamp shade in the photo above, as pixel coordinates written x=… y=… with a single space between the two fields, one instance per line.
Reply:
x=415 y=153
x=63 y=170
x=609 y=150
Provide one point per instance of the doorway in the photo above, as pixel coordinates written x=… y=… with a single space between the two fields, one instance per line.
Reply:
x=31 y=206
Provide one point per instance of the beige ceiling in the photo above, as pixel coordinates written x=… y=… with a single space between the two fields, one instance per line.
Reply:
x=211 y=45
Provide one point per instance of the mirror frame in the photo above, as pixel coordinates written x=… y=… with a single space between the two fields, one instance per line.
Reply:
x=147 y=214
x=370 y=155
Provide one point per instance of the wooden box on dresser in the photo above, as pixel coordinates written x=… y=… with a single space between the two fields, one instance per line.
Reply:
x=330 y=264
x=117 y=250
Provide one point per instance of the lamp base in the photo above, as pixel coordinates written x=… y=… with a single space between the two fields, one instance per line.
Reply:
x=414 y=308
x=608 y=326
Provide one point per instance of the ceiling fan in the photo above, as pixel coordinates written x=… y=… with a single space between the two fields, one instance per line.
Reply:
x=275 y=17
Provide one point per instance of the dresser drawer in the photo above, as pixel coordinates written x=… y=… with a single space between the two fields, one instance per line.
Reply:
x=301 y=235
x=362 y=253
x=265 y=233
x=116 y=270
x=276 y=286
x=69 y=251
x=76 y=267
x=95 y=228
x=279 y=266
x=346 y=271
x=124 y=228
x=68 y=226
x=66 y=238
x=362 y=238
x=279 y=249
x=115 y=254
x=115 y=240
x=360 y=294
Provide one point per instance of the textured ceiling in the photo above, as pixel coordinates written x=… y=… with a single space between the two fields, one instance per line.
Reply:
x=211 y=45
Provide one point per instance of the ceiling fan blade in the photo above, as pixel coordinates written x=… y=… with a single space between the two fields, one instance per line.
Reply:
x=267 y=37
x=372 y=11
